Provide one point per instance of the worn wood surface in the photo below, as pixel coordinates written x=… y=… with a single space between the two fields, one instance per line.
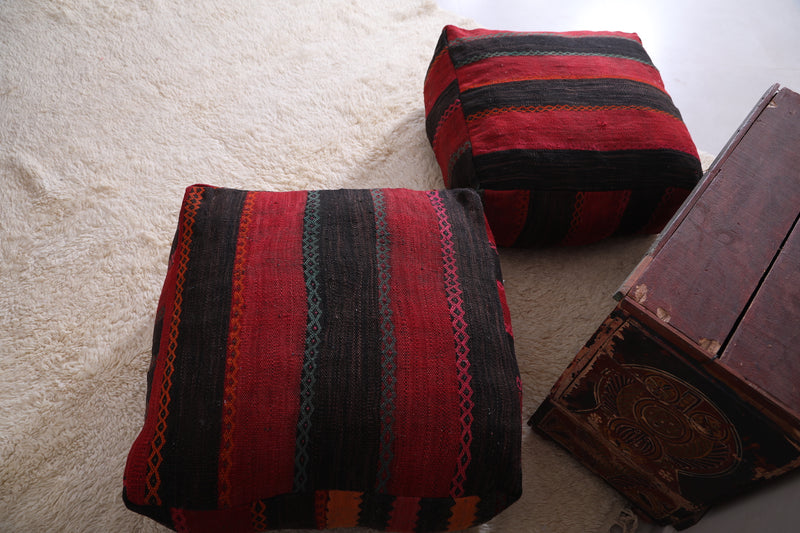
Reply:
x=765 y=348
x=698 y=191
x=702 y=276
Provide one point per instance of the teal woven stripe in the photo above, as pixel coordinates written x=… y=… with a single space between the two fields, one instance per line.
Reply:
x=311 y=230
x=451 y=162
x=480 y=57
x=383 y=246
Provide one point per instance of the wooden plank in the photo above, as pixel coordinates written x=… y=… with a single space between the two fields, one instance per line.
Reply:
x=717 y=165
x=698 y=191
x=701 y=278
x=765 y=349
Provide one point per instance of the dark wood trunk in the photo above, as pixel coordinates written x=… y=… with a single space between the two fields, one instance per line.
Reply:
x=689 y=393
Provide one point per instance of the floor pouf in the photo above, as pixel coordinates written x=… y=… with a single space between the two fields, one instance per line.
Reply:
x=329 y=359
x=570 y=137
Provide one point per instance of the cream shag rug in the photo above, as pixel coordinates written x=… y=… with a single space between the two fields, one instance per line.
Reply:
x=108 y=110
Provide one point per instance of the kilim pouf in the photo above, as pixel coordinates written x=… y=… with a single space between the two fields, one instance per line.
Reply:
x=329 y=359
x=569 y=137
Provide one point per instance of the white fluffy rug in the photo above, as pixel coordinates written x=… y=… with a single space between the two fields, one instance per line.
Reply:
x=108 y=110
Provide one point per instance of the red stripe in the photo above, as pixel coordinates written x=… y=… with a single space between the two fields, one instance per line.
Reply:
x=136 y=467
x=232 y=356
x=505 y=69
x=440 y=76
x=404 y=514
x=507 y=212
x=501 y=290
x=273 y=329
x=579 y=129
x=490 y=234
x=158 y=408
x=455 y=302
x=597 y=215
x=426 y=429
x=455 y=33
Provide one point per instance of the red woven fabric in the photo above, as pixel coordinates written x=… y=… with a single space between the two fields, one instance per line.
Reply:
x=579 y=123
x=329 y=359
x=272 y=318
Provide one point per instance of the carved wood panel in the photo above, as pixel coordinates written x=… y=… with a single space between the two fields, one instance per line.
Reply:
x=664 y=423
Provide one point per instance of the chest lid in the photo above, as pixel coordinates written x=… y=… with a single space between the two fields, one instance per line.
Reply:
x=729 y=260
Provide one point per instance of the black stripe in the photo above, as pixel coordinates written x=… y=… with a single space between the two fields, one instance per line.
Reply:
x=157 y=331
x=642 y=204
x=189 y=471
x=376 y=510
x=162 y=515
x=567 y=92
x=496 y=417
x=553 y=170
x=491 y=506
x=291 y=511
x=441 y=44
x=443 y=101
x=549 y=218
x=345 y=428
x=462 y=173
x=434 y=514
x=464 y=52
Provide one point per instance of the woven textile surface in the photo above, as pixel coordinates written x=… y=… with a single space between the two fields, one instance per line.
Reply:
x=330 y=359
x=109 y=111
x=571 y=137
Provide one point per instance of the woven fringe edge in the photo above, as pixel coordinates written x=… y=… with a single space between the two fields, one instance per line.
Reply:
x=627 y=522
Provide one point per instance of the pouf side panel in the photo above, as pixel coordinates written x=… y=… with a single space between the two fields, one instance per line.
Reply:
x=445 y=123
x=585 y=113
x=187 y=468
x=489 y=377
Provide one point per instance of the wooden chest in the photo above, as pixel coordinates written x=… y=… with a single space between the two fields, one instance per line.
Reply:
x=689 y=392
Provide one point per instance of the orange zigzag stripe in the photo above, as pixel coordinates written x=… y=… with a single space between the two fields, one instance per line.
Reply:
x=232 y=363
x=155 y=459
x=546 y=108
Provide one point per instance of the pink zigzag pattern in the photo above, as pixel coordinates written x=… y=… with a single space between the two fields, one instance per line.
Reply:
x=461 y=339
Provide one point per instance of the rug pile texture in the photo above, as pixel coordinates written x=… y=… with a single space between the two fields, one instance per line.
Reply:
x=108 y=110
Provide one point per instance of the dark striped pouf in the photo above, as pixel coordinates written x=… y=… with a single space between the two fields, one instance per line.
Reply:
x=570 y=137
x=329 y=359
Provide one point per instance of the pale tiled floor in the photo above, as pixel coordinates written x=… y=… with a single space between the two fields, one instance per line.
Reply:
x=716 y=58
